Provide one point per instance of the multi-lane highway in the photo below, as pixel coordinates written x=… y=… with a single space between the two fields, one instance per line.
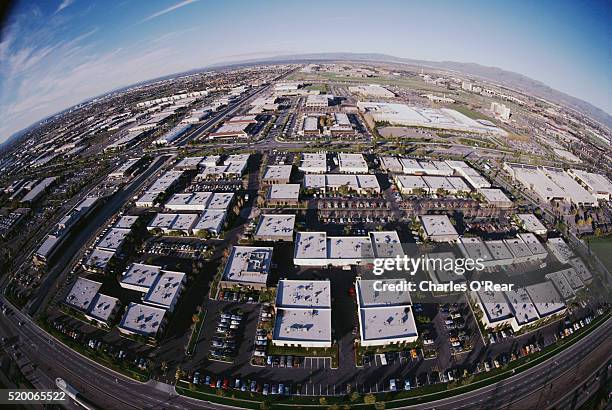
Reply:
x=98 y=220
x=109 y=389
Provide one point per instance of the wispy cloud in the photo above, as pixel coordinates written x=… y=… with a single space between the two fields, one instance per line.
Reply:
x=63 y=5
x=168 y=10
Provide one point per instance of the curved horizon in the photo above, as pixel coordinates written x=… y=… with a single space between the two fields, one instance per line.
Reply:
x=55 y=56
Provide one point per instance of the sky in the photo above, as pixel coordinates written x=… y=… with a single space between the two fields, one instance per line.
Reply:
x=54 y=54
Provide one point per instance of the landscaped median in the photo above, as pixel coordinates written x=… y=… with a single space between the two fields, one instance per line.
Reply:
x=198 y=322
x=384 y=400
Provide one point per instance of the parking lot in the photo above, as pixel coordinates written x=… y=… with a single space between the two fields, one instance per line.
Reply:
x=299 y=362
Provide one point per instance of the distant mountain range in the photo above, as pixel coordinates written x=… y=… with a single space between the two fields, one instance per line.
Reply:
x=493 y=74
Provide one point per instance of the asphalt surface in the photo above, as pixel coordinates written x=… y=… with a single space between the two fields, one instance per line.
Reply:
x=109 y=389
x=98 y=384
x=96 y=220
x=515 y=392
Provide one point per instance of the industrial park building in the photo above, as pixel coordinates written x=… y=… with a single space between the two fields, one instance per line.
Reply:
x=303 y=314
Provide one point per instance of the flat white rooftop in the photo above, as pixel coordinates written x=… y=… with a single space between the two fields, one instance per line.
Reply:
x=517 y=247
x=531 y=223
x=595 y=183
x=142 y=319
x=284 y=191
x=99 y=258
x=561 y=284
x=391 y=164
x=533 y=243
x=237 y=158
x=386 y=244
x=211 y=220
x=475 y=248
x=494 y=195
x=498 y=250
x=148 y=197
x=573 y=278
x=411 y=182
x=352 y=162
x=303 y=325
x=437 y=182
x=574 y=191
x=276 y=225
x=82 y=293
x=303 y=294
x=311 y=245
x=373 y=90
x=248 y=264
x=583 y=272
x=165 y=290
x=495 y=305
x=522 y=306
x=189 y=201
x=220 y=200
x=276 y=172
x=387 y=323
x=174 y=222
x=350 y=247
x=444 y=118
x=546 y=298
x=113 y=239
x=231 y=129
x=140 y=275
x=313 y=162
x=102 y=307
x=560 y=249
x=437 y=225
x=369 y=297
x=126 y=221
x=535 y=180
x=189 y=163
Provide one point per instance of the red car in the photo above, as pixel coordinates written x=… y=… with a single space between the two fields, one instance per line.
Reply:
x=225 y=384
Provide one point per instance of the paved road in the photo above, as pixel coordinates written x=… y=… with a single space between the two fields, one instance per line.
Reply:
x=111 y=390
x=98 y=384
x=85 y=233
x=516 y=392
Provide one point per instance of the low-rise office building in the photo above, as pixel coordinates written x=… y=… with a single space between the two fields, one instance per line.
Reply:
x=303 y=314
x=211 y=220
x=98 y=260
x=166 y=290
x=384 y=317
x=317 y=249
x=283 y=194
x=247 y=266
x=173 y=223
x=275 y=227
x=438 y=228
x=313 y=163
x=103 y=310
x=143 y=320
x=82 y=294
x=352 y=163
x=195 y=201
x=531 y=223
x=597 y=185
x=496 y=197
x=140 y=277
x=277 y=174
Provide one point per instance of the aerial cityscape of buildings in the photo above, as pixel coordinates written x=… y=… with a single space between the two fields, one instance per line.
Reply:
x=216 y=232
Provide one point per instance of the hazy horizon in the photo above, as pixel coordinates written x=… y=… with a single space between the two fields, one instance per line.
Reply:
x=54 y=55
